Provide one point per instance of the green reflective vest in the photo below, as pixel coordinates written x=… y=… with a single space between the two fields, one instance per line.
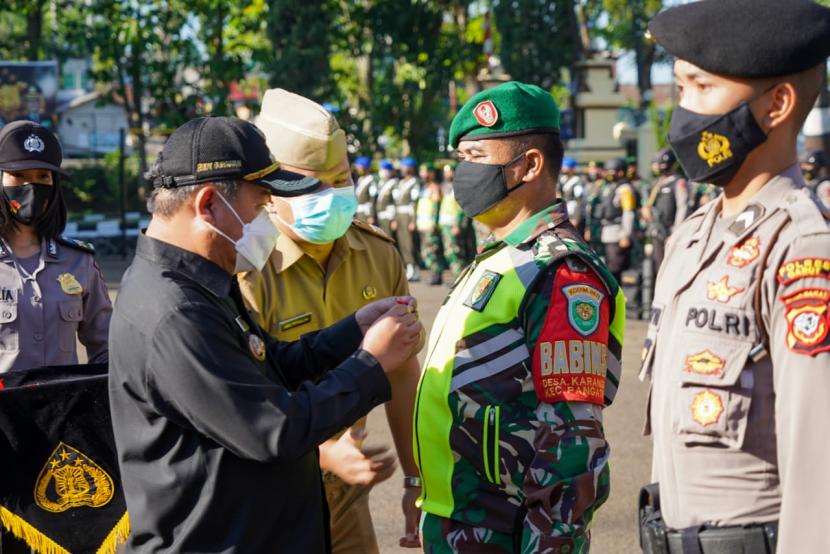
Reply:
x=476 y=400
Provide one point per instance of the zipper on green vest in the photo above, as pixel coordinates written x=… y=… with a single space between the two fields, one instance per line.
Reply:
x=491 y=433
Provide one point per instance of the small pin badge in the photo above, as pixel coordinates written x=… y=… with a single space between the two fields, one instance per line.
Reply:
x=69 y=284
x=369 y=292
x=257 y=346
x=34 y=144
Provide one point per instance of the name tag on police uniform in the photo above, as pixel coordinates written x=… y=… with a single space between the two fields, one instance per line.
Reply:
x=295 y=321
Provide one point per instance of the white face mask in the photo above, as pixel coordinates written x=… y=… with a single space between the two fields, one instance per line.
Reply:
x=254 y=247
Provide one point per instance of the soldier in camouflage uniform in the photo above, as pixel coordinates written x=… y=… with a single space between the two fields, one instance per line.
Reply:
x=426 y=219
x=508 y=421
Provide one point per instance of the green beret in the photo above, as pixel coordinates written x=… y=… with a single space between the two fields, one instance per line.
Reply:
x=507 y=110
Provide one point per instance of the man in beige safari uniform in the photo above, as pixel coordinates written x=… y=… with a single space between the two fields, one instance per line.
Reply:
x=738 y=350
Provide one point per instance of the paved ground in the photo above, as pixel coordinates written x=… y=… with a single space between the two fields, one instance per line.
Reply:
x=615 y=529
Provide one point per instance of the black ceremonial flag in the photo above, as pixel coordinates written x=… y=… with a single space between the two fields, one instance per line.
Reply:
x=60 y=490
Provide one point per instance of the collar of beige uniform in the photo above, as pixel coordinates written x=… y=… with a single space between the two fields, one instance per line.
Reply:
x=287 y=252
x=769 y=200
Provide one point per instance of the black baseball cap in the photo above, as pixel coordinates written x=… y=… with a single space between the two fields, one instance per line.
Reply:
x=212 y=148
x=28 y=145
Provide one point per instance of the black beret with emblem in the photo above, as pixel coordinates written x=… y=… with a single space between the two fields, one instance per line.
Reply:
x=217 y=148
x=28 y=145
x=746 y=38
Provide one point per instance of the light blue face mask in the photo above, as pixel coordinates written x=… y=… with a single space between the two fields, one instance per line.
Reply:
x=325 y=216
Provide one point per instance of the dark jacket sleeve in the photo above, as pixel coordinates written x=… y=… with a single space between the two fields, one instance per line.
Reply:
x=310 y=357
x=198 y=369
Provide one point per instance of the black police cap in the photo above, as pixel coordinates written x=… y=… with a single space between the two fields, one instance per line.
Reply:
x=29 y=145
x=218 y=148
x=746 y=38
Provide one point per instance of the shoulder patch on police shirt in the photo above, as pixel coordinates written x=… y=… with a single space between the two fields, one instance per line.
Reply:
x=77 y=244
x=371 y=229
x=793 y=270
x=570 y=359
x=808 y=321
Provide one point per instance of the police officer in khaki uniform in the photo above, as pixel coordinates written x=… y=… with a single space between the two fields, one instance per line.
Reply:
x=738 y=350
x=51 y=291
x=325 y=266
x=385 y=201
x=406 y=195
x=366 y=189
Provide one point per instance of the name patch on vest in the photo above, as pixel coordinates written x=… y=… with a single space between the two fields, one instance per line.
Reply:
x=570 y=359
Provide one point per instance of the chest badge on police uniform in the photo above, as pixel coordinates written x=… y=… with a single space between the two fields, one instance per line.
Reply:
x=257 y=346
x=705 y=363
x=483 y=291
x=369 y=292
x=721 y=291
x=69 y=284
x=707 y=408
x=583 y=308
x=745 y=253
x=295 y=321
x=71 y=480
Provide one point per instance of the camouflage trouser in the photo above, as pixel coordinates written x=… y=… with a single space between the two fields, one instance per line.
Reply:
x=447 y=536
x=431 y=250
x=453 y=251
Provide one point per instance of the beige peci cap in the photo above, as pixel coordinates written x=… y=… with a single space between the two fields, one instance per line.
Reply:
x=300 y=132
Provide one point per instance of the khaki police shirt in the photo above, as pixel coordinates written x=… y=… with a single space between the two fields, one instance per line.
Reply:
x=741 y=438
x=44 y=313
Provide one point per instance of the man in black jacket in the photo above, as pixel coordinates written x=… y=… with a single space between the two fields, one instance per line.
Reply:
x=216 y=423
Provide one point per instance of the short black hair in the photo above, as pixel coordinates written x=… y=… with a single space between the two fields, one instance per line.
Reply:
x=549 y=144
x=51 y=224
x=165 y=202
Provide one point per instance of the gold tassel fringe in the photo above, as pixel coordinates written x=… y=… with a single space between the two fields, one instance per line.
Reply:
x=117 y=536
x=42 y=544
x=21 y=529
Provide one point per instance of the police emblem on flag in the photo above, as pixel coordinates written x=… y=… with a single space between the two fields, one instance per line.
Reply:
x=583 y=308
x=60 y=488
x=71 y=480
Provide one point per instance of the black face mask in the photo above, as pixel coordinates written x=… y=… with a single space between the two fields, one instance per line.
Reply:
x=28 y=201
x=479 y=187
x=712 y=148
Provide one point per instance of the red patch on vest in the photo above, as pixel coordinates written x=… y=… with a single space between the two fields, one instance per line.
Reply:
x=570 y=359
x=486 y=113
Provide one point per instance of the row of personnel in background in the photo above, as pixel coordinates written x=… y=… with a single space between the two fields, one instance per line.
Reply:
x=417 y=207
x=619 y=212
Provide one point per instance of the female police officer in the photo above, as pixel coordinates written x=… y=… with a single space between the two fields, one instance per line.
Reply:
x=51 y=290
